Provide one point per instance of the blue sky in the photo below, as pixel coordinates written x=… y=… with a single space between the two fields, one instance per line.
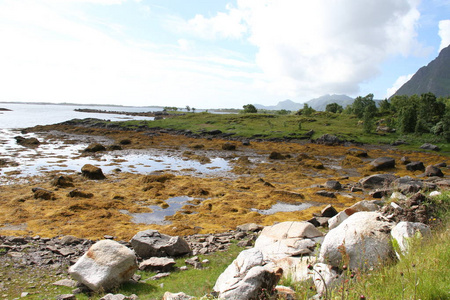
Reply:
x=213 y=53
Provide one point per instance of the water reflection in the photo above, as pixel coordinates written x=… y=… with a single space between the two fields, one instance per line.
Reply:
x=283 y=207
x=55 y=155
x=159 y=214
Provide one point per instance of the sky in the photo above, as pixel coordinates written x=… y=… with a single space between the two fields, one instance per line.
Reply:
x=213 y=53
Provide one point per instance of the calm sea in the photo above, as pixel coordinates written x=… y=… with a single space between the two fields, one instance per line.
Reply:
x=28 y=115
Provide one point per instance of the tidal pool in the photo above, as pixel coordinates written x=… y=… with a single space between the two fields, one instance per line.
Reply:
x=55 y=155
x=283 y=207
x=159 y=214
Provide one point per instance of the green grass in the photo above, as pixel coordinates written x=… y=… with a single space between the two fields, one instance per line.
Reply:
x=268 y=126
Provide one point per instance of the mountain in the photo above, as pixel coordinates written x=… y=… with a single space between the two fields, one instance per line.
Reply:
x=286 y=104
x=434 y=78
x=317 y=103
x=321 y=102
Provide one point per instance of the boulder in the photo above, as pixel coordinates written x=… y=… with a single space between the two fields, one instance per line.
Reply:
x=276 y=155
x=176 y=296
x=432 y=171
x=403 y=232
x=364 y=205
x=415 y=166
x=328 y=140
x=428 y=146
x=324 y=193
x=62 y=181
x=377 y=181
x=151 y=243
x=249 y=227
x=105 y=266
x=40 y=193
x=382 y=163
x=295 y=268
x=357 y=152
x=333 y=184
x=95 y=148
x=328 y=279
x=27 y=142
x=92 y=172
x=287 y=239
x=363 y=238
x=77 y=193
x=162 y=264
x=229 y=146
x=246 y=277
x=407 y=185
x=119 y=297
x=329 y=211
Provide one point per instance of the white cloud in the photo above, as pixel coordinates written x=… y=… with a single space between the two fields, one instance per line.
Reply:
x=444 y=33
x=223 y=25
x=398 y=84
x=308 y=48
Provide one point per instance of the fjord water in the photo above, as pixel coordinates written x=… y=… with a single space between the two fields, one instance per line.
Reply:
x=29 y=115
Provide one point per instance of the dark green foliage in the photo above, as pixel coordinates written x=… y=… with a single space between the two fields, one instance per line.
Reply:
x=363 y=104
x=407 y=119
x=306 y=110
x=385 y=106
x=334 y=108
x=250 y=109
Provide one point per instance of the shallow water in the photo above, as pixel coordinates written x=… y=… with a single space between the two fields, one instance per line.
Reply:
x=283 y=207
x=55 y=155
x=159 y=214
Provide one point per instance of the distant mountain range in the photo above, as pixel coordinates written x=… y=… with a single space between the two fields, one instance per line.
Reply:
x=434 y=78
x=316 y=103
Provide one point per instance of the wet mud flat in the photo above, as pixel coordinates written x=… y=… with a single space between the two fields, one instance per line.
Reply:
x=220 y=187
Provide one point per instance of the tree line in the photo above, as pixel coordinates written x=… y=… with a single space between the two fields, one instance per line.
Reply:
x=406 y=114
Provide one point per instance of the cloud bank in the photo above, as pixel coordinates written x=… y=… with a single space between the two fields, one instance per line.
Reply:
x=318 y=47
x=444 y=33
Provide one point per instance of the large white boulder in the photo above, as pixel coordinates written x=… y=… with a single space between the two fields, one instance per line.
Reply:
x=104 y=266
x=363 y=238
x=403 y=232
x=287 y=239
x=246 y=277
x=363 y=205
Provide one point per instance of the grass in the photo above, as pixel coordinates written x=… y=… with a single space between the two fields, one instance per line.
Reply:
x=269 y=126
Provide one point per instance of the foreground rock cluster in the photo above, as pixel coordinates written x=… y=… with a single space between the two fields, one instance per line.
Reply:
x=360 y=238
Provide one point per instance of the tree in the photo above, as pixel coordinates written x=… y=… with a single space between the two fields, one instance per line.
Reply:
x=334 y=108
x=193 y=109
x=188 y=108
x=250 y=109
x=361 y=103
x=385 y=106
x=407 y=119
x=306 y=110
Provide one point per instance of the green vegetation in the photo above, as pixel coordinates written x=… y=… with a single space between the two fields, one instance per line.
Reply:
x=414 y=120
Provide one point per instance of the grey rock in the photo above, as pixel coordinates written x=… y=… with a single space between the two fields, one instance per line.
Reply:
x=163 y=264
x=333 y=184
x=428 y=146
x=432 y=171
x=415 y=166
x=151 y=243
x=377 y=181
x=382 y=163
